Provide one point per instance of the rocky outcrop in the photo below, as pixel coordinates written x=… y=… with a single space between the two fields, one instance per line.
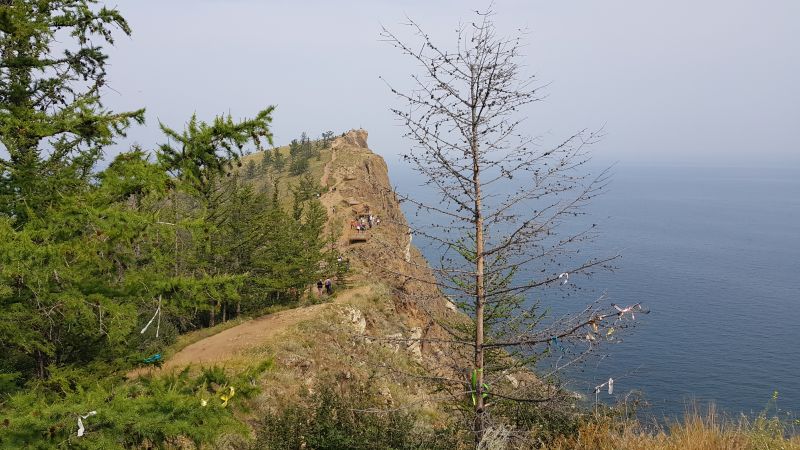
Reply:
x=358 y=183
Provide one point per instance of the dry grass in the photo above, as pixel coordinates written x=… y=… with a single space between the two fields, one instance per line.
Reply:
x=697 y=431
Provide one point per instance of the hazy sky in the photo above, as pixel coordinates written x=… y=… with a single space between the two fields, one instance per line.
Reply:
x=711 y=82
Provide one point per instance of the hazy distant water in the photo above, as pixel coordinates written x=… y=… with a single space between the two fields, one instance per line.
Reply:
x=715 y=254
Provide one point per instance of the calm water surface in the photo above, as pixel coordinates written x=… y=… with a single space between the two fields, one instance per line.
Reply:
x=715 y=255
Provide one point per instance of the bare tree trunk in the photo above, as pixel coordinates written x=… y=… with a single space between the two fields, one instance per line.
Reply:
x=212 y=317
x=480 y=293
x=177 y=231
x=40 y=361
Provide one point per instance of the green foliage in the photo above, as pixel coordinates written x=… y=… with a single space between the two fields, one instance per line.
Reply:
x=87 y=259
x=52 y=122
x=300 y=152
x=205 y=151
x=148 y=411
x=278 y=160
x=346 y=418
x=66 y=297
x=542 y=422
x=327 y=139
x=250 y=170
x=266 y=160
x=291 y=253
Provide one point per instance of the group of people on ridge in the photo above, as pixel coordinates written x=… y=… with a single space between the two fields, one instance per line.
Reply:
x=364 y=223
x=327 y=284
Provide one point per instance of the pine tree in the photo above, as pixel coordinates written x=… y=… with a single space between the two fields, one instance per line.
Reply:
x=278 y=160
x=197 y=161
x=266 y=160
x=250 y=169
x=327 y=139
x=501 y=198
x=199 y=167
x=52 y=121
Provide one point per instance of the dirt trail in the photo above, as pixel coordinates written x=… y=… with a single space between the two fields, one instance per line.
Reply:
x=331 y=199
x=231 y=343
x=326 y=171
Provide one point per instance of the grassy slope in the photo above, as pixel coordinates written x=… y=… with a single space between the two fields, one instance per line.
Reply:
x=285 y=180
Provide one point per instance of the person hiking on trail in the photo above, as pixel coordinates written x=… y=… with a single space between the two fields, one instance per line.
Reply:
x=328 y=286
x=319 y=287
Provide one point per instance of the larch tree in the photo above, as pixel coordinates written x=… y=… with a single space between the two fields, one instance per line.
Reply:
x=63 y=254
x=199 y=157
x=501 y=202
x=53 y=124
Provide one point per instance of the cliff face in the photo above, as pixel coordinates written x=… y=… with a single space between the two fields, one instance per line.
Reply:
x=358 y=182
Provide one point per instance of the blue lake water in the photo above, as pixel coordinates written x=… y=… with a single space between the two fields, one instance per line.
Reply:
x=715 y=255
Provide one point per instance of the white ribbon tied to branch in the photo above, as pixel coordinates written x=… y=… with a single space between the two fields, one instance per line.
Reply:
x=628 y=310
x=609 y=383
x=82 y=430
x=157 y=313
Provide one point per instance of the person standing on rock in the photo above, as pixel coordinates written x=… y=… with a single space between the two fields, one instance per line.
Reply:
x=329 y=286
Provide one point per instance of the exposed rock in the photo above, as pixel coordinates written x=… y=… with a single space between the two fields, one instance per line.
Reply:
x=514 y=382
x=387 y=395
x=393 y=341
x=357 y=319
x=356 y=138
x=415 y=345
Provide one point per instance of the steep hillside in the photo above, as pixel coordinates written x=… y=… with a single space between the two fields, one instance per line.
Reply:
x=379 y=328
x=356 y=183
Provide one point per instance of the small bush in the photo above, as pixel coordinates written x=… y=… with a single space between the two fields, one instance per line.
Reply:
x=346 y=418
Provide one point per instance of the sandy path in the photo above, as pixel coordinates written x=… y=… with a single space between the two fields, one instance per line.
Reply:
x=233 y=341
x=230 y=343
x=326 y=171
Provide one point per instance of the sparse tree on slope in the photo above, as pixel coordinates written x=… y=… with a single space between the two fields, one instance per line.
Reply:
x=502 y=199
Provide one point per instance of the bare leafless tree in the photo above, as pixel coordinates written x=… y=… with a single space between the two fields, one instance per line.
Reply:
x=502 y=202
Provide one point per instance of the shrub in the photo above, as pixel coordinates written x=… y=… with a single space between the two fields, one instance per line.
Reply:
x=346 y=418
